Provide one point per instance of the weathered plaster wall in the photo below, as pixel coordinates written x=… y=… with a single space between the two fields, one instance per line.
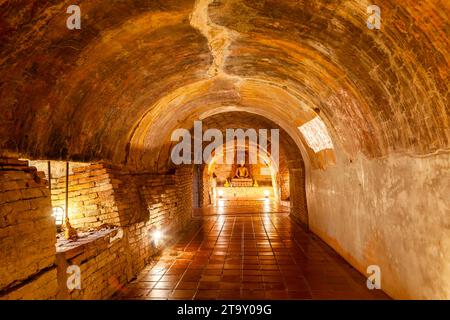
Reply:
x=392 y=212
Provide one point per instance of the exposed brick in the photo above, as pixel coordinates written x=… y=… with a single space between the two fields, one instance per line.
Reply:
x=27 y=230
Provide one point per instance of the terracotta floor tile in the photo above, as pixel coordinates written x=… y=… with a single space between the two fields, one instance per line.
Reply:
x=136 y=293
x=300 y=295
x=272 y=279
x=189 y=278
x=159 y=293
x=146 y=284
x=151 y=278
x=269 y=267
x=213 y=272
x=230 y=285
x=233 y=272
x=210 y=278
x=208 y=285
x=253 y=294
x=251 y=273
x=276 y=273
x=165 y=285
x=274 y=286
x=206 y=295
x=227 y=294
x=269 y=261
x=158 y=271
x=169 y=277
x=187 y=285
x=252 y=279
x=175 y=271
x=183 y=294
x=276 y=295
x=253 y=286
x=231 y=278
x=244 y=255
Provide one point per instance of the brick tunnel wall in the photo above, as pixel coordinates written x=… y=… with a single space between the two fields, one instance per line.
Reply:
x=205 y=188
x=101 y=194
x=283 y=182
x=27 y=233
x=284 y=187
x=91 y=196
x=297 y=194
x=105 y=266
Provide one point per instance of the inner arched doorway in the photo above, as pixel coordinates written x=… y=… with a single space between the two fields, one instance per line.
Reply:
x=276 y=180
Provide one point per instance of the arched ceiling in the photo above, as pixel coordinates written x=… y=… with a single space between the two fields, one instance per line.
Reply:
x=289 y=154
x=103 y=92
x=220 y=96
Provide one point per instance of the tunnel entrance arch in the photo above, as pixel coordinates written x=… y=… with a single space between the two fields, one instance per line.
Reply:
x=284 y=184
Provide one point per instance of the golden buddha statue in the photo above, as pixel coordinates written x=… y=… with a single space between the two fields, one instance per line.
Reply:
x=242 y=172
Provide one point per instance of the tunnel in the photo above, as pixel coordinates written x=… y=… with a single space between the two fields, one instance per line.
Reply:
x=108 y=109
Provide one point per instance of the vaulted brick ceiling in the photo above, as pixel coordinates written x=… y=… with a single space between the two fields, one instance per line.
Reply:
x=137 y=67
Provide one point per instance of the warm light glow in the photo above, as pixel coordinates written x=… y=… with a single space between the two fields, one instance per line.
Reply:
x=58 y=214
x=220 y=205
x=157 y=236
x=266 y=207
x=266 y=193
x=316 y=135
x=220 y=193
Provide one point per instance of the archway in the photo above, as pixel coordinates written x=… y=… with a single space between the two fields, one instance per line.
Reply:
x=287 y=171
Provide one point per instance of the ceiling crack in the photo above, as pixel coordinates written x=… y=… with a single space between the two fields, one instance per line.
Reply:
x=219 y=38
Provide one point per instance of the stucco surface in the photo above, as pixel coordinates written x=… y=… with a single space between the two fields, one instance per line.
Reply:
x=392 y=212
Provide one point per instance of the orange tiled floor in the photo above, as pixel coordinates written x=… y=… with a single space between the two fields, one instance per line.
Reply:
x=249 y=256
x=242 y=207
